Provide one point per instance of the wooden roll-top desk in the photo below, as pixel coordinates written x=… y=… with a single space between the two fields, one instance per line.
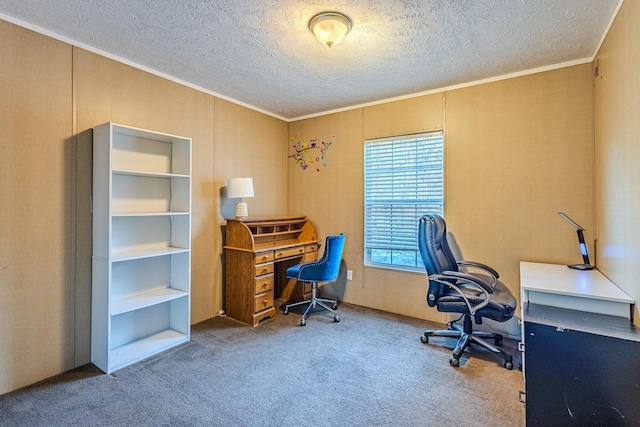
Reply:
x=258 y=252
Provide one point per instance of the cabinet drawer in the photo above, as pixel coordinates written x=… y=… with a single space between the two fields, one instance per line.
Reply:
x=311 y=248
x=264 y=284
x=262 y=257
x=263 y=269
x=285 y=253
x=263 y=301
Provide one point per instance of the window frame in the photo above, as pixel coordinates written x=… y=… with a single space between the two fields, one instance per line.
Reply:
x=385 y=190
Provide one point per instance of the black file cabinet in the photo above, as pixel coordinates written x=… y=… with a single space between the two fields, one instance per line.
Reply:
x=581 y=369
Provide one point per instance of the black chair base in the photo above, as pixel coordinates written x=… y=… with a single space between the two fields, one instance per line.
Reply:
x=465 y=337
x=312 y=303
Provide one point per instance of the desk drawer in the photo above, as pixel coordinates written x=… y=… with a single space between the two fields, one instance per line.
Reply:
x=285 y=253
x=264 y=284
x=262 y=257
x=311 y=248
x=263 y=269
x=263 y=301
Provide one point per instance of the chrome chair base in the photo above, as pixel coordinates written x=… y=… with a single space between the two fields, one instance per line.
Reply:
x=312 y=303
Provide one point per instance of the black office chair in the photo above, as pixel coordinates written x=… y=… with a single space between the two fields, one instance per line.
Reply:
x=323 y=270
x=477 y=295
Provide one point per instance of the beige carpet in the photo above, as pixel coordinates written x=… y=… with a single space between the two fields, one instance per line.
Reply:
x=370 y=369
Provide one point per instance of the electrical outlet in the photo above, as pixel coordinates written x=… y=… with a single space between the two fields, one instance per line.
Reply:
x=349 y=274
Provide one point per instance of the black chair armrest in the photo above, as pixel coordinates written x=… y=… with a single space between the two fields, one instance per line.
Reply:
x=469 y=279
x=480 y=266
x=446 y=279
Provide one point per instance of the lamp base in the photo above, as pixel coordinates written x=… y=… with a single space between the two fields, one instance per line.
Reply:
x=582 y=267
x=241 y=210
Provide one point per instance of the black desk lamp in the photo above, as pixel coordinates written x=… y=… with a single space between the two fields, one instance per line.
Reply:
x=583 y=246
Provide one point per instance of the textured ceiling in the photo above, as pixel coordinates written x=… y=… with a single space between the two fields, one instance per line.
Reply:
x=261 y=53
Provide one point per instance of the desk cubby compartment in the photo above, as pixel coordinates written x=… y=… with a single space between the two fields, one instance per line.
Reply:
x=266 y=230
x=294 y=226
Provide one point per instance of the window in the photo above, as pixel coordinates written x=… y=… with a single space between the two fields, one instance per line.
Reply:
x=403 y=180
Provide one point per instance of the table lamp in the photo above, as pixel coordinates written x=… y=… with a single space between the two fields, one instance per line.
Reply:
x=583 y=246
x=239 y=188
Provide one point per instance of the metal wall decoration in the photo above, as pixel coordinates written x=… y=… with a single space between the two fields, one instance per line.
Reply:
x=311 y=154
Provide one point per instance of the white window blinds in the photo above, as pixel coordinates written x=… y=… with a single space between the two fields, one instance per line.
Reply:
x=403 y=180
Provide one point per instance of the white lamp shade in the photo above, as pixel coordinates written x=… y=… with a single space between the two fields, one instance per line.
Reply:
x=238 y=188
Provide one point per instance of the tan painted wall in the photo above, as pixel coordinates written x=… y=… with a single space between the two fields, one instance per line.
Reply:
x=516 y=152
x=329 y=190
x=51 y=95
x=617 y=137
x=245 y=148
x=36 y=211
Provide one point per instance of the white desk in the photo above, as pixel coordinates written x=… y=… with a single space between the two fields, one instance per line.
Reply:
x=564 y=287
x=580 y=348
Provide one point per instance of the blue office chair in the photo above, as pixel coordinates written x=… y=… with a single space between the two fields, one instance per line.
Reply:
x=473 y=295
x=323 y=270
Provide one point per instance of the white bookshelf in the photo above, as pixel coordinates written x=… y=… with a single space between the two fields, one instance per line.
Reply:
x=141 y=244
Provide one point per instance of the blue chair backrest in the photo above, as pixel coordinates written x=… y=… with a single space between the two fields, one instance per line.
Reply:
x=436 y=254
x=327 y=267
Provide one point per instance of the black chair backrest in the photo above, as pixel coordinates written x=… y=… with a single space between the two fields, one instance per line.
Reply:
x=436 y=254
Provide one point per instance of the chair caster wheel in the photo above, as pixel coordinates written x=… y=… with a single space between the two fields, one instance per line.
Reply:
x=303 y=322
x=424 y=339
x=454 y=362
x=336 y=318
x=508 y=364
x=498 y=342
x=335 y=306
x=286 y=311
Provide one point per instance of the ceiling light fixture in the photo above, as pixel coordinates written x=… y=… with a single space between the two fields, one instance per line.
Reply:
x=330 y=27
